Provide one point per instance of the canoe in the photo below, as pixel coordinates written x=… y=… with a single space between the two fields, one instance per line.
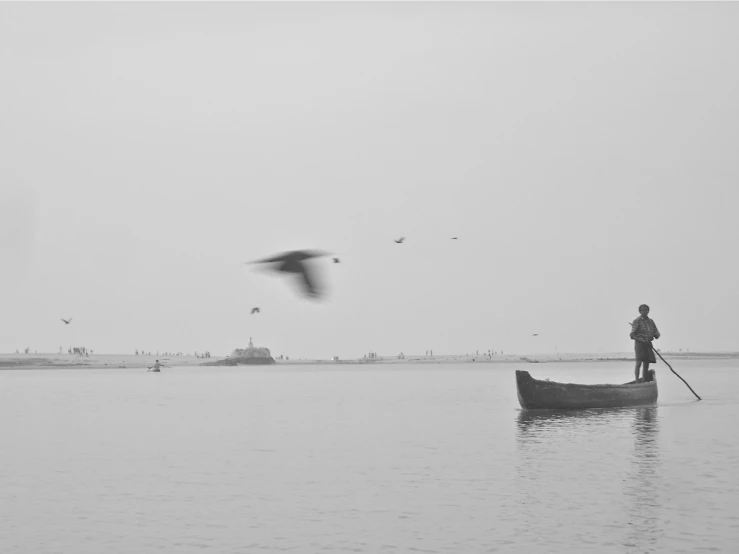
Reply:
x=534 y=394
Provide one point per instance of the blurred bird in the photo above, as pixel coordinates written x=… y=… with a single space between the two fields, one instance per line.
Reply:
x=400 y=240
x=294 y=262
x=66 y=321
x=454 y=238
x=254 y=311
x=336 y=260
x=535 y=335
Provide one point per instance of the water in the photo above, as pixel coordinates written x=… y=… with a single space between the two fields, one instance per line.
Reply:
x=393 y=458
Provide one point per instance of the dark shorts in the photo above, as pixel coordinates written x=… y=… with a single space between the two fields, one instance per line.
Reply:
x=644 y=352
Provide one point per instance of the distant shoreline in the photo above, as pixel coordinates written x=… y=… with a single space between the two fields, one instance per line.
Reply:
x=129 y=361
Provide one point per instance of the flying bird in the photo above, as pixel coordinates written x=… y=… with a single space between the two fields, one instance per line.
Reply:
x=66 y=321
x=535 y=335
x=455 y=238
x=400 y=240
x=254 y=311
x=295 y=262
x=336 y=260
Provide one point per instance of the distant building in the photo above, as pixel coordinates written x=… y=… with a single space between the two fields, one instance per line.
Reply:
x=251 y=355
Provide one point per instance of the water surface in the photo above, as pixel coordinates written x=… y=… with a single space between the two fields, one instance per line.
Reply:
x=394 y=458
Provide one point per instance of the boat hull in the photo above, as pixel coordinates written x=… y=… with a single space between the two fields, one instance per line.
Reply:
x=534 y=394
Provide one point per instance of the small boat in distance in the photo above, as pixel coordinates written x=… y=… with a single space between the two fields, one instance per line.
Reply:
x=534 y=394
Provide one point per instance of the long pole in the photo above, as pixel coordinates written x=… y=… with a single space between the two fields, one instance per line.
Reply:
x=668 y=365
x=675 y=372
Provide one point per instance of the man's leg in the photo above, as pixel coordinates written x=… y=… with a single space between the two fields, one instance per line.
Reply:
x=646 y=371
x=636 y=371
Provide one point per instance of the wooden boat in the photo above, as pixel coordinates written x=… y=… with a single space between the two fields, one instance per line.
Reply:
x=534 y=394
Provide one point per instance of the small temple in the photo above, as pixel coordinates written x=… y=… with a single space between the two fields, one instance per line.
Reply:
x=251 y=355
x=252 y=352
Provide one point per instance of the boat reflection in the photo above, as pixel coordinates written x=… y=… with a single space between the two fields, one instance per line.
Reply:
x=534 y=422
x=643 y=485
x=602 y=464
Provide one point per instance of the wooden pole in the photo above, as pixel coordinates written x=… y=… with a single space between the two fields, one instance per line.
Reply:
x=668 y=365
x=675 y=372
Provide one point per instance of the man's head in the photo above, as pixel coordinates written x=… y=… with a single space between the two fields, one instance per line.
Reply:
x=644 y=310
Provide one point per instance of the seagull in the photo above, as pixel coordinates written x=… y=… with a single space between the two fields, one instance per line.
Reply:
x=400 y=240
x=254 y=311
x=66 y=321
x=294 y=262
x=336 y=260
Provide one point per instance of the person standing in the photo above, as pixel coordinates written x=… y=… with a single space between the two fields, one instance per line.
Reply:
x=643 y=331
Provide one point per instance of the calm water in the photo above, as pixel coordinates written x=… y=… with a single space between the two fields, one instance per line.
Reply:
x=363 y=459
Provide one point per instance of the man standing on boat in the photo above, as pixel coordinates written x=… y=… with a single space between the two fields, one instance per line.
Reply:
x=643 y=331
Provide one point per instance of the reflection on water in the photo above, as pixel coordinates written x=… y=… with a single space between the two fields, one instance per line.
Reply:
x=608 y=458
x=533 y=422
x=642 y=488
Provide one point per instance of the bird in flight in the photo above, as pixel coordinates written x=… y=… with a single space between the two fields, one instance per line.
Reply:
x=336 y=260
x=66 y=321
x=294 y=261
x=254 y=311
x=535 y=335
x=455 y=238
x=400 y=240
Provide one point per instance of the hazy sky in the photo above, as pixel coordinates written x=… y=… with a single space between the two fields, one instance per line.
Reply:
x=586 y=155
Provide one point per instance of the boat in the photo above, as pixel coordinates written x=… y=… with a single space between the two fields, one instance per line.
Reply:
x=534 y=394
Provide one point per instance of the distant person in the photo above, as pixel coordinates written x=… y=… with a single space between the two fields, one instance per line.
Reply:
x=643 y=331
x=155 y=367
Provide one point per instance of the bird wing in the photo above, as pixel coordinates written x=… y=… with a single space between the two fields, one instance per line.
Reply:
x=310 y=284
x=293 y=255
x=275 y=258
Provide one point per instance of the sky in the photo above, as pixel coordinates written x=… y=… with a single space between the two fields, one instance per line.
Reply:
x=584 y=154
